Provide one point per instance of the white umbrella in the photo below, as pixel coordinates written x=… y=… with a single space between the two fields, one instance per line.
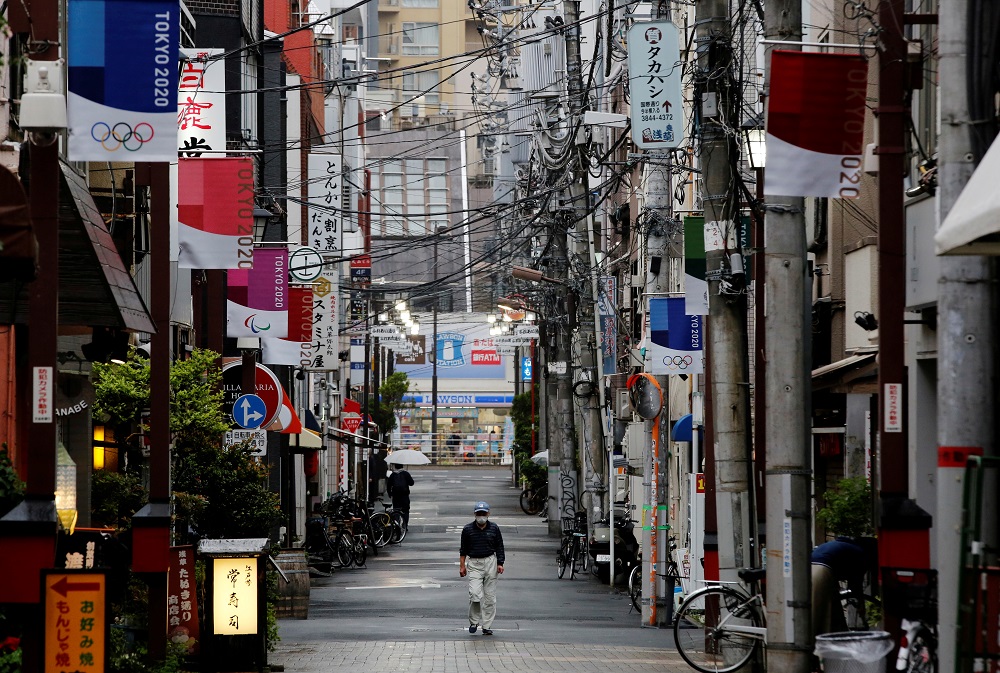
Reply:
x=542 y=458
x=407 y=457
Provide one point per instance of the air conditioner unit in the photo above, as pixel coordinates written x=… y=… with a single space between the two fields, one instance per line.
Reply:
x=635 y=444
x=489 y=166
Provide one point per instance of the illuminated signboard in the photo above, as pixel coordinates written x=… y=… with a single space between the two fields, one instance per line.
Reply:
x=234 y=596
x=76 y=623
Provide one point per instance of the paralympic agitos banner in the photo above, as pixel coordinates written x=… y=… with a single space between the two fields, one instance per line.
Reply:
x=257 y=300
x=123 y=62
x=815 y=124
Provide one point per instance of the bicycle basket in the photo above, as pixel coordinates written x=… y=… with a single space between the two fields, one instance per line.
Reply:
x=568 y=525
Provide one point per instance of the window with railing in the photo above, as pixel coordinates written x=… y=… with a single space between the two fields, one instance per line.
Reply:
x=422 y=84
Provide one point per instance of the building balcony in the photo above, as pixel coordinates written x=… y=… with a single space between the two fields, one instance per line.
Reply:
x=388 y=5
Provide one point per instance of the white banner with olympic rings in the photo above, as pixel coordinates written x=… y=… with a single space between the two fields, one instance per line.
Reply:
x=674 y=343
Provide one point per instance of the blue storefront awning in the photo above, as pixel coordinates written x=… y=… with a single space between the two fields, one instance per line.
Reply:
x=681 y=432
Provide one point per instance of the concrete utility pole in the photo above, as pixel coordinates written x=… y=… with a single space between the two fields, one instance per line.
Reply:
x=786 y=403
x=727 y=325
x=966 y=329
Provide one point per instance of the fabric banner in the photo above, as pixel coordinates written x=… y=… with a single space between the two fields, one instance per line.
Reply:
x=326 y=324
x=215 y=209
x=201 y=102
x=695 y=284
x=815 y=124
x=674 y=342
x=325 y=210
x=257 y=304
x=297 y=348
x=122 y=80
x=609 y=323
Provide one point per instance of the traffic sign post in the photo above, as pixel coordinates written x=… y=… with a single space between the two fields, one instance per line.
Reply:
x=249 y=411
x=76 y=621
x=259 y=437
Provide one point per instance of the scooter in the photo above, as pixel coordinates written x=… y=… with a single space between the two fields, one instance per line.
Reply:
x=626 y=549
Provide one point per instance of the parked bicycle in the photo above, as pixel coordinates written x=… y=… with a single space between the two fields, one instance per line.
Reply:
x=734 y=621
x=534 y=500
x=573 y=553
x=635 y=577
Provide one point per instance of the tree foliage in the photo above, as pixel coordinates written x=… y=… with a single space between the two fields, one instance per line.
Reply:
x=848 y=508
x=391 y=403
x=520 y=412
x=11 y=486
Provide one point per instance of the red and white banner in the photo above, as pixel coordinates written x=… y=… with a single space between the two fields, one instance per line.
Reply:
x=257 y=301
x=215 y=210
x=297 y=348
x=815 y=124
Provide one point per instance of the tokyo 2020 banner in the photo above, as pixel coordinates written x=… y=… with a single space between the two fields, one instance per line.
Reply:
x=123 y=80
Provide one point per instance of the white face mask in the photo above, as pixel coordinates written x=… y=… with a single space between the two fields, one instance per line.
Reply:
x=482 y=519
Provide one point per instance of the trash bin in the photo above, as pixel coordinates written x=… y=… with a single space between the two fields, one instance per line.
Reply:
x=854 y=651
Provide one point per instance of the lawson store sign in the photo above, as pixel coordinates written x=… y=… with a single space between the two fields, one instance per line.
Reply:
x=462 y=400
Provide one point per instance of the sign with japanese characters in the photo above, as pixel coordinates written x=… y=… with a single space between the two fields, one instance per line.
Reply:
x=43 y=395
x=893 y=411
x=201 y=102
x=326 y=323
x=606 y=302
x=182 y=598
x=234 y=596
x=257 y=437
x=654 y=71
x=122 y=80
x=325 y=212
x=76 y=621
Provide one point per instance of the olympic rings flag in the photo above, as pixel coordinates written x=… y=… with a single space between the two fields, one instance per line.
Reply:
x=674 y=344
x=123 y=80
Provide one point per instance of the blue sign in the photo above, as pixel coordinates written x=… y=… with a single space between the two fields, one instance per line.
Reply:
x=123 y=73
x=249 y=411
x=526 y=369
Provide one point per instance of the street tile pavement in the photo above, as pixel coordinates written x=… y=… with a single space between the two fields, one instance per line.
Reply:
x=489 y=655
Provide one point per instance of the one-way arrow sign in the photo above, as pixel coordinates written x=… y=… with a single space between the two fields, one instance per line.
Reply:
x=248 y=411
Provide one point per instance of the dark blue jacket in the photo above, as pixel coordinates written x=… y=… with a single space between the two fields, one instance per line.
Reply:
x=480 y=542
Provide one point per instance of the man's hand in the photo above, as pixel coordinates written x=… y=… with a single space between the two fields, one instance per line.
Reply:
x=499 y=570
x=461 y=570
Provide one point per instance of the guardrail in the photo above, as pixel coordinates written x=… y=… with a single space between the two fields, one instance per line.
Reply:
x=472 y=449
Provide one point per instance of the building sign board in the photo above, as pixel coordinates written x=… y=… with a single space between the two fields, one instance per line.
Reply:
x=76 y=621
x=654 y=70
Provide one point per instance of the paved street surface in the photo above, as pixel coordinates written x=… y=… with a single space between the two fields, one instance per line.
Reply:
x=407 y=610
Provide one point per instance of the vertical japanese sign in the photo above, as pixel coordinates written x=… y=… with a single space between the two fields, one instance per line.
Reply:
x=893 y=407
x=609 y=324
x=215 y=212
x=324 y=213
x=201 y=102
x=297 y=348
x=695 y=283
x=815 y=124
x=76 y=621
x=234 y=596
x=122 y=78
x=326 y=324
x=42 y=395
x=654 y=72
x=674 y=342
x=257 y=305
x=182 y=598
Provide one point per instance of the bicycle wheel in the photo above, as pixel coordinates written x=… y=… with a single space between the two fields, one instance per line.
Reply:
x=345 y=549
x=360 y=550
x=921 y=656
x=635 y=587
x=381 y=525
x=398 y=529
x=563 y=558
x=529 y=501
x=716 y=649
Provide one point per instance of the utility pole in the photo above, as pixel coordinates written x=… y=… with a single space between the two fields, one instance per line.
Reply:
x=786 y=402
x=727 y=327
x=966 y=369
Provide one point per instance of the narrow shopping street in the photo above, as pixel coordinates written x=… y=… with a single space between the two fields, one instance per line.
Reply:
x=406 y=611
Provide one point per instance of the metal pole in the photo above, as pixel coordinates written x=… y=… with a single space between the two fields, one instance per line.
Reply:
x=434 y=365
x=787 y=403
x=727 y=328
x=966 y=393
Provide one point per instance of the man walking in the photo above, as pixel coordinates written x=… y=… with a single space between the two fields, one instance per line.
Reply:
x=481 y=557
x=398 y=486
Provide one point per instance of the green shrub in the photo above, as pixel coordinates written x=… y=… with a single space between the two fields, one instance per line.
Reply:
x=11 y=486
x=848 y=508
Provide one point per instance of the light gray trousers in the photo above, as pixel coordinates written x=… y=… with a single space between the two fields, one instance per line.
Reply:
x=482 y=573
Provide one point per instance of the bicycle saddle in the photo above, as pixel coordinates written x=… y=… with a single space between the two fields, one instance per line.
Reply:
x=752 y=574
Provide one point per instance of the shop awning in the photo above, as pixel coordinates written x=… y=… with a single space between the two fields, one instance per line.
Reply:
x=95 y=289
x=847 y=375
x=307 y=440
x=338 y=435
x=681 y=432
x=972 y=227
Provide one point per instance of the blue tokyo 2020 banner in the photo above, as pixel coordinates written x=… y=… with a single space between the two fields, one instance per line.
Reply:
x=674 y=343
x=123 y=66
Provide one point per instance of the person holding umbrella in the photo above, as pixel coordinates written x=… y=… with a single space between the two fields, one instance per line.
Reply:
x=398 y=486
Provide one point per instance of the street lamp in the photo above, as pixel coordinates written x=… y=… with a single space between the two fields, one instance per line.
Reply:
x=754 y=141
